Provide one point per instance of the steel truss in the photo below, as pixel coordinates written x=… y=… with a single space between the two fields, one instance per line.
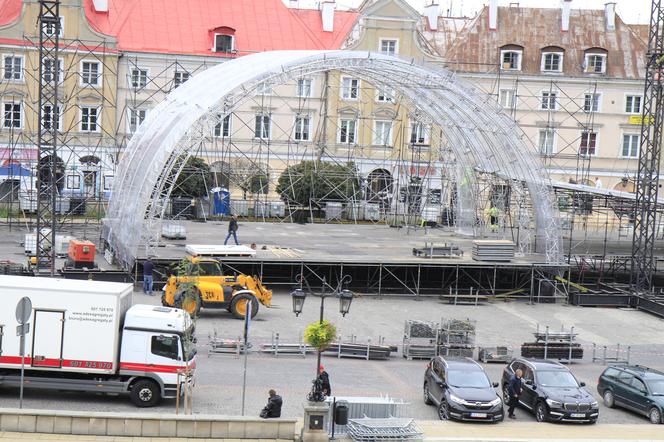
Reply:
x=484 y=140
x=647 y=183
x=47 y=144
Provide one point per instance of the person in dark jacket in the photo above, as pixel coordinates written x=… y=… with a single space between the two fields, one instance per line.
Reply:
x=514 y=388
x=273 y=407
x=232 y=230
x=148 y=267
x=324 y=379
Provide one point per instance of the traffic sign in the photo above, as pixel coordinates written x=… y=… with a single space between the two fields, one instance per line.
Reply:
x=23 y=310
x=22 y=330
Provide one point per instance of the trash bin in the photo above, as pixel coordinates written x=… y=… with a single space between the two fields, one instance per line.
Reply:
x=341 y=413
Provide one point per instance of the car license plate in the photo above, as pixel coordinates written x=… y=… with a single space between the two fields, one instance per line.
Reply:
x=578 y=415
x=477 y=414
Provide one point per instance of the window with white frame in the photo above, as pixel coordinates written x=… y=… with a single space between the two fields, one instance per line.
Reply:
x=136 y=117
x=549 y=100
x=223 y=127
x=51 y=119
x=302 y=128
x=304 y=87
x=90 y=73
x=633 y=104
x=510 y=60
x=347 y=130
x=224 y=43
x=262 y=127
x=108 y=182
x=385 y=95
x=180 y=77
x=630 y=145
x=546 y=141
x=73 y=182
x=13 y=68
x=389 y=46
x=12 y=115
x=139 y=78
x=264 y=89
x=552 y=62
x=382 y=133
x=52 y=70
x=595 y=63
x=588 y=144
x=89 y=119
x=419 y=133
x=52 y=26
x=350 y=88
x=507 y=98
x=591 y=102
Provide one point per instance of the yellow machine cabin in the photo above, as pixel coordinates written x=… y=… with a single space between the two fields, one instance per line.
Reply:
x=207 y=287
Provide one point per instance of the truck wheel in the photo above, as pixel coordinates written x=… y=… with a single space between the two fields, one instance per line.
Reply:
x=145 y=393
x=239 y=305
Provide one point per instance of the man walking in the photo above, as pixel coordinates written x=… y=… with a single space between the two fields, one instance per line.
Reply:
x=232 y=230
x=148 y=267
x=514 y=388
x=273 y=407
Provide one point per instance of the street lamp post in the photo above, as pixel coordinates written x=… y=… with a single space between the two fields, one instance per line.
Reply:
x=345 y=299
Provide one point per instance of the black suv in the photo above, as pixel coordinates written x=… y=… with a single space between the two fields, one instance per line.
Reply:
x=551 y=392
x=461 y=390
x=634 y=387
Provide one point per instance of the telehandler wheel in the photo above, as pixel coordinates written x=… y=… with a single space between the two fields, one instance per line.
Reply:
x=191 y=304
x=239 y=305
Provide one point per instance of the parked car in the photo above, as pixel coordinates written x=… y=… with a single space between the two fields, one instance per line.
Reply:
x=461 y=390
x=551 y=392
x=635 y=388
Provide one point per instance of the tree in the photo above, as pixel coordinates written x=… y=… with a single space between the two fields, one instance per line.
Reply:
x=312 y=182
x=194 y=180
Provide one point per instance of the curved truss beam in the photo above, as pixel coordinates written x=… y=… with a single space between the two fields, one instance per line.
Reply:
x=483 y=138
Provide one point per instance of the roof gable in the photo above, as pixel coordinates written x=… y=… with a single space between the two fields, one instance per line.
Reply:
x=390 y=8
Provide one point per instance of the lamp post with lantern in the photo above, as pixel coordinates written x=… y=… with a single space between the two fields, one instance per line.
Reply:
x=299 y=295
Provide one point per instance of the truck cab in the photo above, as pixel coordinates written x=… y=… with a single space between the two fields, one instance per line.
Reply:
x=157 y=353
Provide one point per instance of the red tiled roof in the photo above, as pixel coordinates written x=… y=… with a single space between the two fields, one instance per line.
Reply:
x=170 y=26
x=9 y=11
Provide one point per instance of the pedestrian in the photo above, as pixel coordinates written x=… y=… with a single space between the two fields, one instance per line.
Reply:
x=232 y=230
x=324 y=379
x=514 y=388
x=273 y=407
x=148 y=267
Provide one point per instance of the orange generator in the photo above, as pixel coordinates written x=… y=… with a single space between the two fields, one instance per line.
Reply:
x=81 y=254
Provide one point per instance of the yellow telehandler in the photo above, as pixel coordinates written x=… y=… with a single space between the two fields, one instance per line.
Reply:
x=206 y=286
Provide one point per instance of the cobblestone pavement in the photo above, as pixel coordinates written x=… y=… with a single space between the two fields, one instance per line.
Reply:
x=219 y=377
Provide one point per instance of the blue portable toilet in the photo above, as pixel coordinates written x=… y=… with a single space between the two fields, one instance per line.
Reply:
x=221 y=201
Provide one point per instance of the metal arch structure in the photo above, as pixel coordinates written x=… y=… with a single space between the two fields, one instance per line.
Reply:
x=484 y=139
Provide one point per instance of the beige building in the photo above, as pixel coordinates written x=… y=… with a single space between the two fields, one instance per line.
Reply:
x=87 y=88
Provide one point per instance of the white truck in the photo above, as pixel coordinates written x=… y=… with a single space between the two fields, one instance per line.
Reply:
x=86 y=336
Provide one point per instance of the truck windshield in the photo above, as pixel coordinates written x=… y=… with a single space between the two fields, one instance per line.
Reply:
x=189 y=344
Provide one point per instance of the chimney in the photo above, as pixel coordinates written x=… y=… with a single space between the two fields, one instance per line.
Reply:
x=493 y=15
x=564 y=20
x=327 y=14
x=100 y=5
x=610 y=16
x=431 y=12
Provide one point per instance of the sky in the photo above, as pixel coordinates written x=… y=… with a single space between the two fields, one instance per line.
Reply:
x=631 y=11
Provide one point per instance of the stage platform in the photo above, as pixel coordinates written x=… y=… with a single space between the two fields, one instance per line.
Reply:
x=379 y=259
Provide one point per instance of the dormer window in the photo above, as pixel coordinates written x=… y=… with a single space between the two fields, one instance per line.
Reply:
x=223 y=43
x=595 y=61
x=552 y=61
x=223 y=40
x=510 y=58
